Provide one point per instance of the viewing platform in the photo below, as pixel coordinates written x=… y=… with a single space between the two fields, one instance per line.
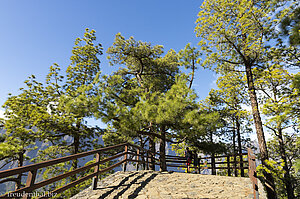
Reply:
x=174 y=185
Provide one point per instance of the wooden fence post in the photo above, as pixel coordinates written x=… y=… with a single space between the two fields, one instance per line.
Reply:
x=242 y=165
x=137 y=159
x=152 y=160
x=228 y=165
x=234 y=165
x=143 y=159
x=125 y=157
x=252 y=172
x=29 y=182
x=95 y=179
x=213 y=164
x=147 y=159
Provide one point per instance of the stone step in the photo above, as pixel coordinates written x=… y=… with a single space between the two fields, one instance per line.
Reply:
x=164 y=185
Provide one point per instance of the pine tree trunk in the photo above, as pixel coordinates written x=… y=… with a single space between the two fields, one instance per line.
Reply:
x=75 y=151
x=142 y=152
x=213 y=160
x=151 y=154
x=234 y=150
x=20 y=164
x=193 y=74
x=238 y=132
x=286 y=176
x=162 y=150
x=74 y=166
x=269 y=180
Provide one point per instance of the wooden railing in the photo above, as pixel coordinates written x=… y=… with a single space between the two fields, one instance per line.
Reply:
x=129 y=152
x=32 y=170
x=226 y=163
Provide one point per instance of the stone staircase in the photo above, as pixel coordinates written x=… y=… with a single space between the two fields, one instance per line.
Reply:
x=173 y=185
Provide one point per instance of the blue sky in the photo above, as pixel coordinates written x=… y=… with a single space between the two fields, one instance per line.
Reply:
x=35 y=34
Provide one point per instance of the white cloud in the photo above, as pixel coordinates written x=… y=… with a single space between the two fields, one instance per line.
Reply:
x=51 y=105
x=213 y=83
x=1 y=113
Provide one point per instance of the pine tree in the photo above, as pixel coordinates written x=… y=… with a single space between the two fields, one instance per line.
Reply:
x=233 y=37
x=274 y=83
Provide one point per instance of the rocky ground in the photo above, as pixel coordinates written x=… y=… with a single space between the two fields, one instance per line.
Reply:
x=164 y=185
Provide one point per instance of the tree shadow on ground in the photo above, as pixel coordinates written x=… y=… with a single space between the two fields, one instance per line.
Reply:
x=128 y=185
x=143 y=184
x=115 y=187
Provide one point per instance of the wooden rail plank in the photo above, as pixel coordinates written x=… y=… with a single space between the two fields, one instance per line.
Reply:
x=225 y=162
x=184 y=166
x=184 y=160
x=223 y=156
